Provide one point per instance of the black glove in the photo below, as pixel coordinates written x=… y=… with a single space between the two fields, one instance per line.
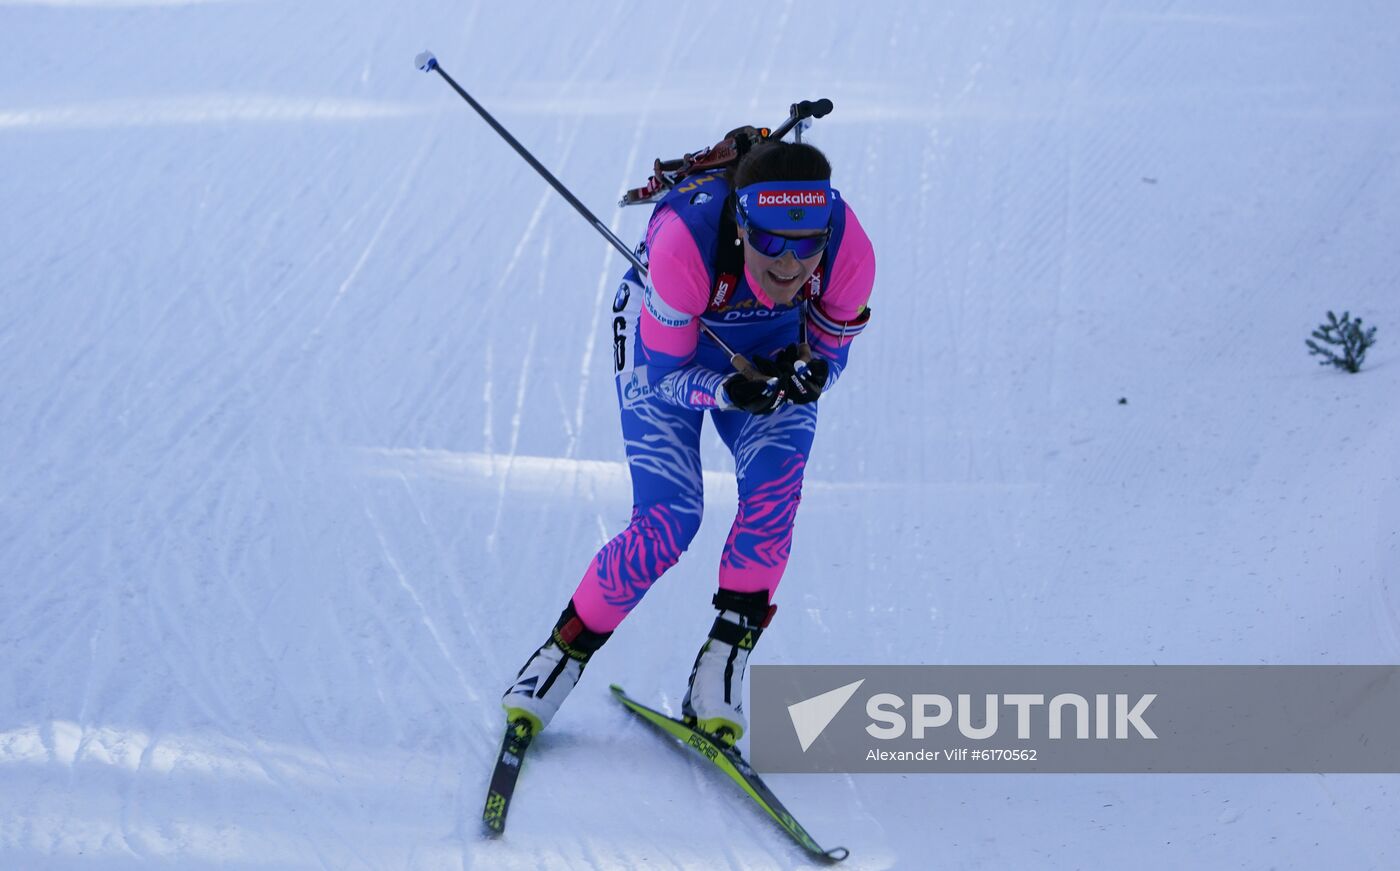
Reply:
x=756 y=396
x=802 y=382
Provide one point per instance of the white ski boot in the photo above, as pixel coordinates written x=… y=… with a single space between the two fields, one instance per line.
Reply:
x=714 y=703
x=549 y=675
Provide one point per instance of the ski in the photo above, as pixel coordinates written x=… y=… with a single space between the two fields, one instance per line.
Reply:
x=517 y=739
x=733 y=764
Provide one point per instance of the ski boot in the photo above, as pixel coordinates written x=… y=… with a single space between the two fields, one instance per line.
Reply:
x=549 y=675
x=714 y=701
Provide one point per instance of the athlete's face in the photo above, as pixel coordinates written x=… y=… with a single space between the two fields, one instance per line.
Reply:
x=780 y=277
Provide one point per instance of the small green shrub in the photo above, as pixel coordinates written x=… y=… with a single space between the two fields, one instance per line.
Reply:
x=1345 y=334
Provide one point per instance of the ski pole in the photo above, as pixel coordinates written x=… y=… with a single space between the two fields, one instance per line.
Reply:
x=428 y=63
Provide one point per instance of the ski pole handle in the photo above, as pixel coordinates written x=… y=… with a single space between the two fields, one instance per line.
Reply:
x=741 y=363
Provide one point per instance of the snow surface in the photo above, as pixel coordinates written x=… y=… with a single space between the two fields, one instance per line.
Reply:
x=308 y=432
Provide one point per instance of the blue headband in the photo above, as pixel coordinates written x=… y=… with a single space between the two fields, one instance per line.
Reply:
x=788 y=205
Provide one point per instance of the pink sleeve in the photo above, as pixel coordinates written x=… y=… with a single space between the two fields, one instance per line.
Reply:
x=852 y=273
x=678 y=289
x=839 y=314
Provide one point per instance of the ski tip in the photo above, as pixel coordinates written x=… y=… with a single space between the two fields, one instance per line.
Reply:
x=836 y=854
x=425 y=61
x=493 y=818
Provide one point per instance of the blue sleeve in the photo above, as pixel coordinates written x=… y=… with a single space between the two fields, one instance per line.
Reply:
x=676 y=378
x=691 y=387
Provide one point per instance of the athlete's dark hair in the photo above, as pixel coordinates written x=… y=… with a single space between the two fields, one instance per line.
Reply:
x=781 y=161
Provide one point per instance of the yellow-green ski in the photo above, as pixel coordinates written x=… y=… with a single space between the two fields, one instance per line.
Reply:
x=519 y=733
x=731 y=763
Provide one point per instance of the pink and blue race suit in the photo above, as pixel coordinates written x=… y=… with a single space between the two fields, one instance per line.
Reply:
x=668 y=378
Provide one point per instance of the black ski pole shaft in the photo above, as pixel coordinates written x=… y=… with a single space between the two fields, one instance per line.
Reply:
x=428 y=63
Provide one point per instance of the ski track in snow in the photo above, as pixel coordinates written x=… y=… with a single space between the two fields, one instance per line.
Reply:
x=310 y=430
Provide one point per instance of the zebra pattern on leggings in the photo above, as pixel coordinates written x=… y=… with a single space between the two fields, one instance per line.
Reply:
x=760 y=540
x=628 y=565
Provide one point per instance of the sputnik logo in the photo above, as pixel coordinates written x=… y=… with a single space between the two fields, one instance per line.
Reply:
x=811 y=717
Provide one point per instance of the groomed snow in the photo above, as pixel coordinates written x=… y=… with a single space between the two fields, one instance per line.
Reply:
x=308 y=431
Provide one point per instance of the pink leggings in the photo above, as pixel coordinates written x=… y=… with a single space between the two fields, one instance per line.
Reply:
x=663 y=452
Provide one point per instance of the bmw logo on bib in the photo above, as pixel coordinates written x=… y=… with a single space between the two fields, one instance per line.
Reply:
x=623 y=295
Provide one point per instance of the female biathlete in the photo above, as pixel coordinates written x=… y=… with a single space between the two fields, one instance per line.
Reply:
x=772 y=260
